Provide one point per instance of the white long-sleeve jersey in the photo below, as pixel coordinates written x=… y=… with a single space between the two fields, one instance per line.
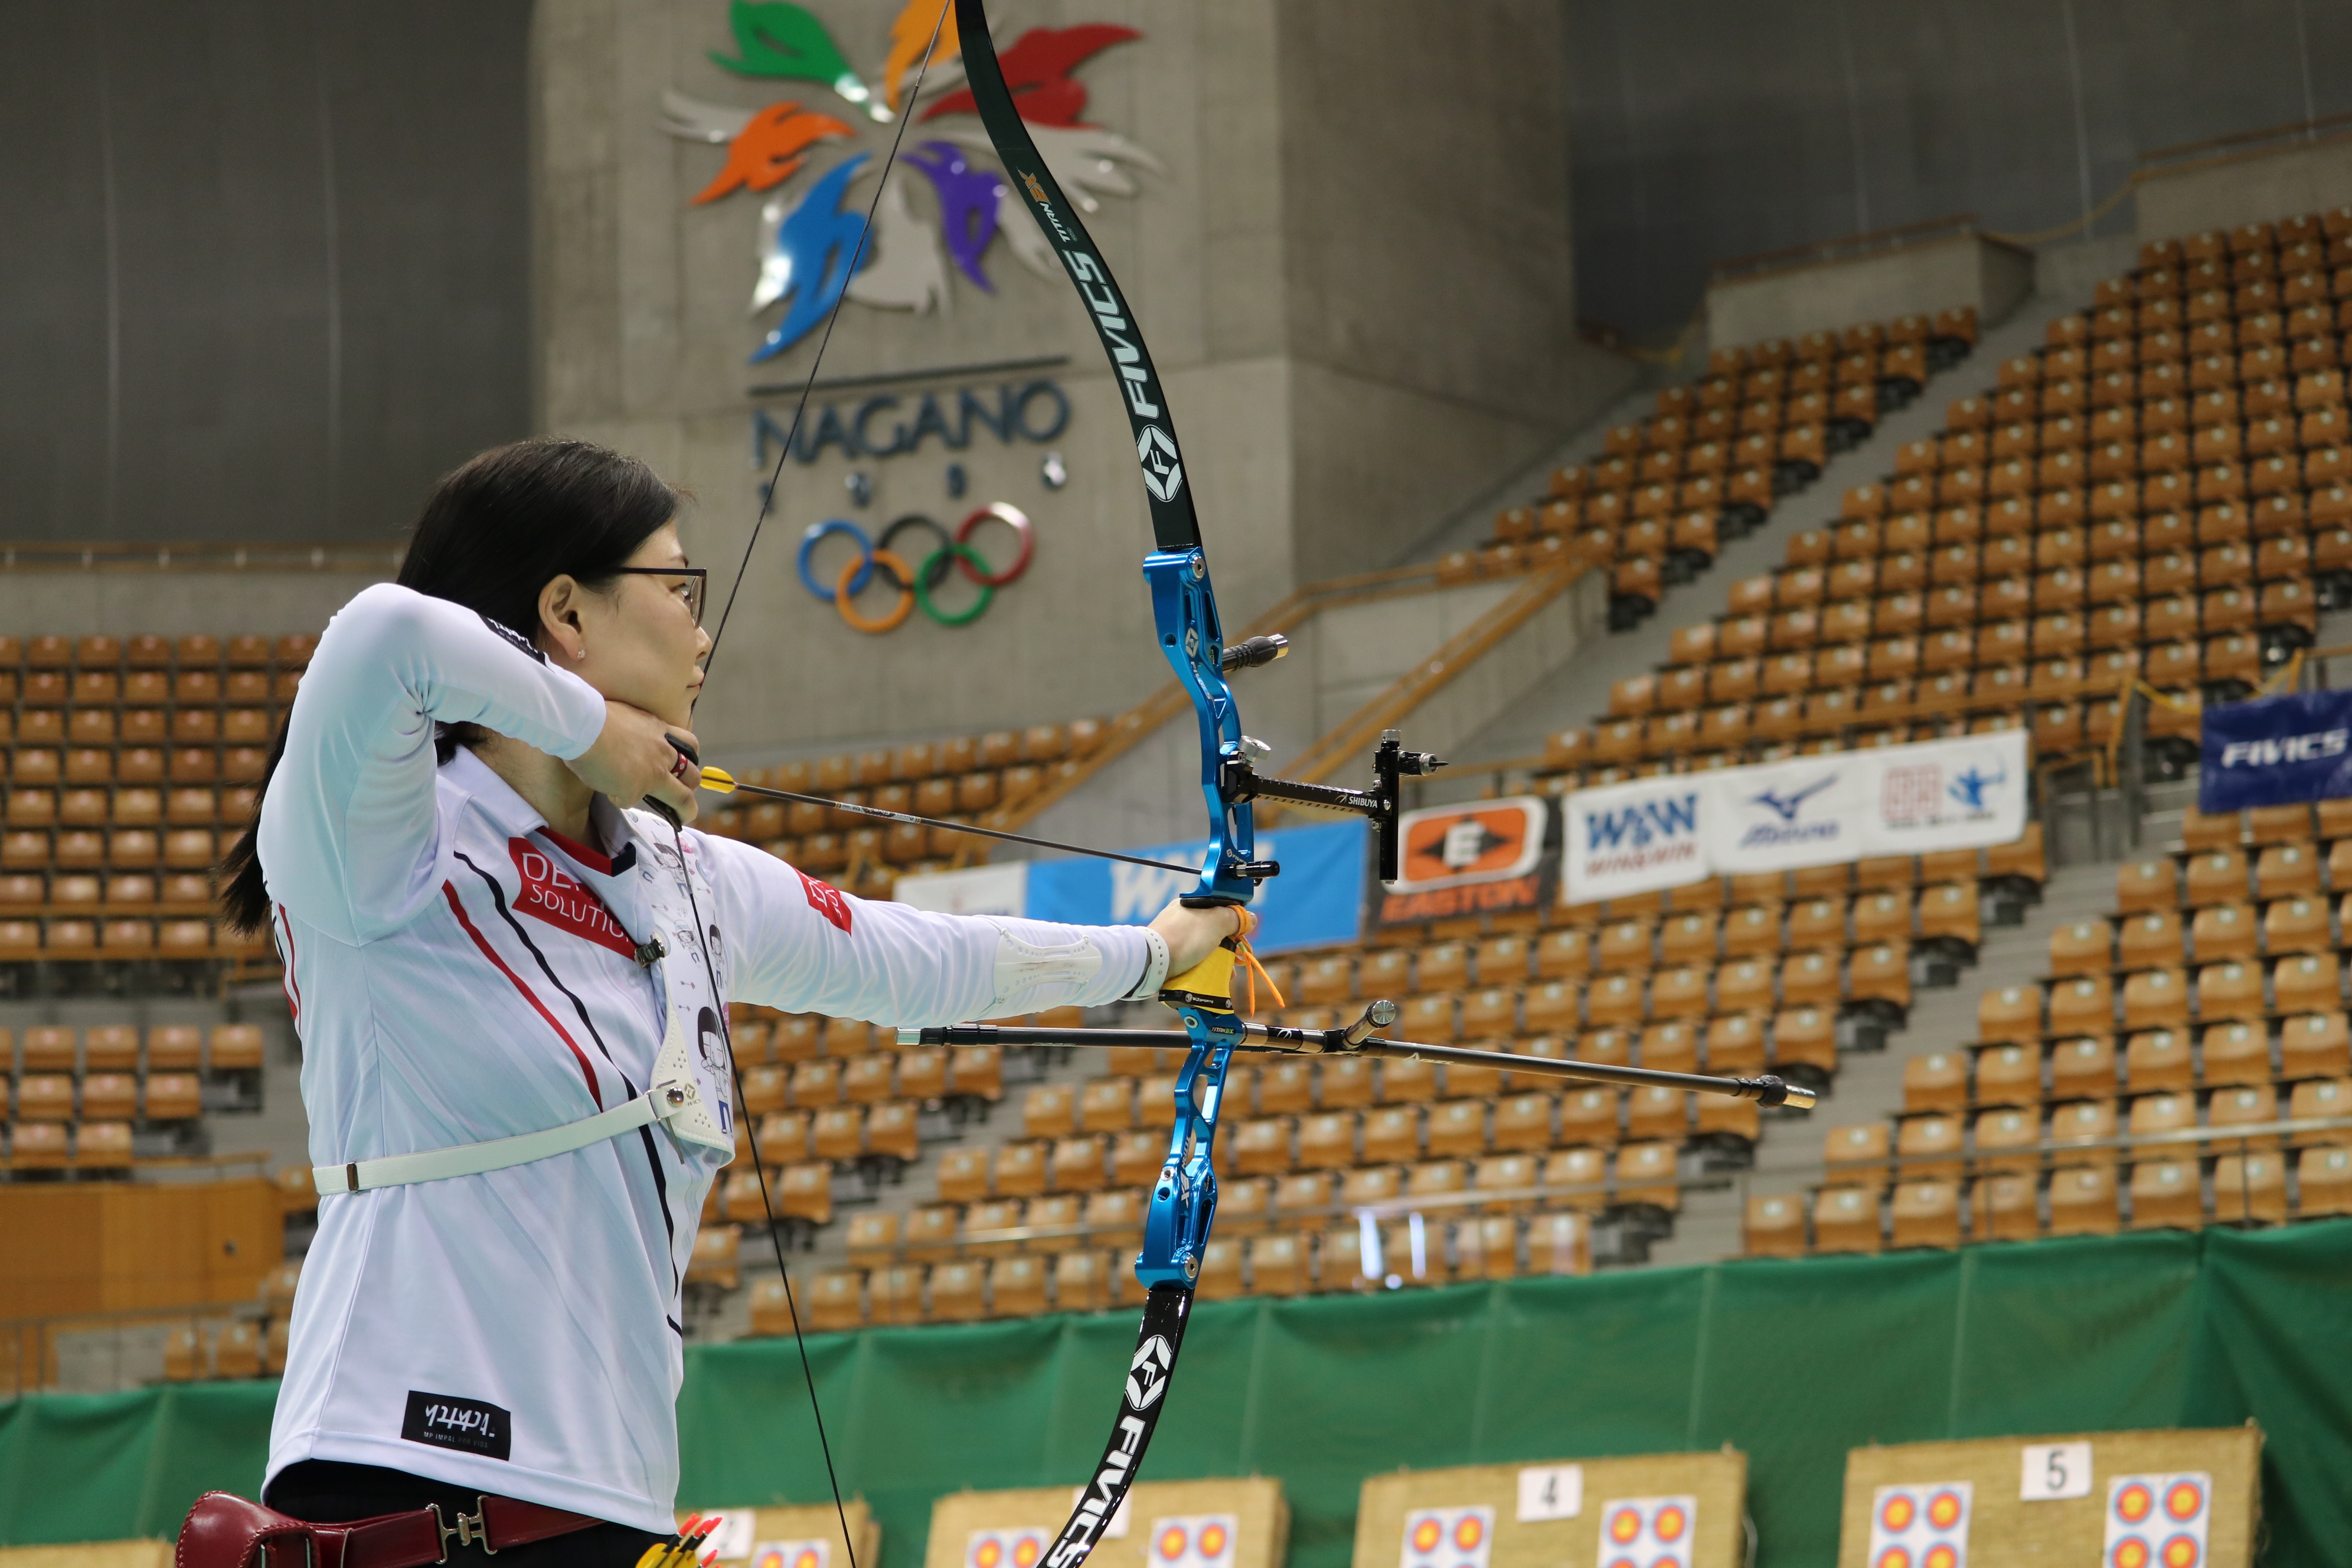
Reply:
x=460 y=972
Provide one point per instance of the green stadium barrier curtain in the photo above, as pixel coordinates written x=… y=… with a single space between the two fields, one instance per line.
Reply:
x=1793 y=1361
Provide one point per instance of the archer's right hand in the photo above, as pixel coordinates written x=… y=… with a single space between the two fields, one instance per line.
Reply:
x=633 y=758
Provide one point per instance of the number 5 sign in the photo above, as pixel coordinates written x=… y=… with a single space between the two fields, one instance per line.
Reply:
x=2055 y=1471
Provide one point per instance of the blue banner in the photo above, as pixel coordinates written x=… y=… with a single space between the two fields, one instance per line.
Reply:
x=1317 y=901
x=2275 y=751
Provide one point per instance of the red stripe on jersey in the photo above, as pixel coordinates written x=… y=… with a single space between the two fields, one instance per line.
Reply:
x=578 y=1055
x=293 y=986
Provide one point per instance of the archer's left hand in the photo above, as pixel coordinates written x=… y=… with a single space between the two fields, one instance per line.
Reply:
x=1193 y=934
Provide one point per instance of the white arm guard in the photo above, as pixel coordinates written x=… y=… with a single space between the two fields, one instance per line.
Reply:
x=1155 y=974
x=1023 y=966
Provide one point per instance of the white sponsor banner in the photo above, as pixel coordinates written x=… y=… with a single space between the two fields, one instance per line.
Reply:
x=1667 y=832
x=1634 y=838
x=1783 y=816
x=978 y=890
x=1949 y=794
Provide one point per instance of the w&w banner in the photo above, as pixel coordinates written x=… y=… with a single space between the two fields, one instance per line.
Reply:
x=2275 y=751
x=1816 y=811
x=1629 y=838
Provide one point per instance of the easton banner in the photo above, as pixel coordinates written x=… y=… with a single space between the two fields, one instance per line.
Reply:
x=1667 y=832
x=1484 y=858
x=2275 y=751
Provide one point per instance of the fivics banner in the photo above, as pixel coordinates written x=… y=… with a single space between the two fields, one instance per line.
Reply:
x=2275 y=751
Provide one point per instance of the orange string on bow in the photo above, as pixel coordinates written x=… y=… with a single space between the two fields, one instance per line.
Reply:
x=1251 y=970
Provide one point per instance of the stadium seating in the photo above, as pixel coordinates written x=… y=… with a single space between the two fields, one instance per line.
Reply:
x=2157 y=498
x=1702 y=979
x=2100 y=1071
x=2155 y=501
x=953 y=780
x=245 y=1346
x=75 y=1098
x=1737 y=975
x=131 y=760
x=1655 y=504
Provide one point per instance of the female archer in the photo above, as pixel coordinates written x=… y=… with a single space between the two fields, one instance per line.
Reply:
x=509 y=982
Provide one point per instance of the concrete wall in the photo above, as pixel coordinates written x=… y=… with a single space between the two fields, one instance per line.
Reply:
x=1706 y=129
x=1917 y=279
x=265 y=265
x=175 y=604
x=1355 y=281
x=2247 y=187
x=1430 y=280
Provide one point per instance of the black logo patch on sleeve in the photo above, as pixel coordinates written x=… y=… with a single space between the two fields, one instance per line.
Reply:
x=446 y=1421
x=516 y=638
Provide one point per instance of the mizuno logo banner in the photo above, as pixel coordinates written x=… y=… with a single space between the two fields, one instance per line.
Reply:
x=1814 y=811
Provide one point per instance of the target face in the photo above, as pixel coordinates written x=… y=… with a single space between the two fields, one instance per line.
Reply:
x=1647 y=1532
x=2159 y=1521
x=1448 y=1538
x=1920 y=1525
x=792 y=1554
x=1195 y=1540
x=1003 y=1549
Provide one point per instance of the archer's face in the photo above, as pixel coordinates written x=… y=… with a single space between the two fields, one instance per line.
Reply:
x=638 y=640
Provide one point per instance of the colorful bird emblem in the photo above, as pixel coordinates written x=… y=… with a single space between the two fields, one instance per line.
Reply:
x=814 y=249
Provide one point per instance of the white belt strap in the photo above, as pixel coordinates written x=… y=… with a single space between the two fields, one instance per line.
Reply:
x=663 y=1100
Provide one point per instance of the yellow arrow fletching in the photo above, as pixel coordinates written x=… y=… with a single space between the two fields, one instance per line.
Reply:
x=719 y=781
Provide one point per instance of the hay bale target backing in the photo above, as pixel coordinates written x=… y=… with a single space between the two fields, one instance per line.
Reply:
x=1658 y=1510
x=1215 y=1524
x=91 y=1554
x=2177 y=1498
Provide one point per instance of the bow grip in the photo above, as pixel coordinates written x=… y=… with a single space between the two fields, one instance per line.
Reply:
x=1208 y=984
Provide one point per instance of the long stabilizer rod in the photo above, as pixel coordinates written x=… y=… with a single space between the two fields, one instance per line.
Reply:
x=1357 y=1039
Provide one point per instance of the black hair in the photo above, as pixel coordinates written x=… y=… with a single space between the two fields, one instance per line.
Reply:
x=493 y=534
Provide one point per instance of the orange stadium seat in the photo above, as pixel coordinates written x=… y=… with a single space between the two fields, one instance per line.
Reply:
x=1775 y=1226
x=2082 y=1202
x=1846 y=1219
x=2005 y=1075
x=1925 y=1214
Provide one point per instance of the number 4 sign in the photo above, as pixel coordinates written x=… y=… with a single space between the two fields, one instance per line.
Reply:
x=1550 y=1491
x=2053 y=1471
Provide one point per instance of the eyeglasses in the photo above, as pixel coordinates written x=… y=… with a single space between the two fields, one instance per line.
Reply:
x=693 y=583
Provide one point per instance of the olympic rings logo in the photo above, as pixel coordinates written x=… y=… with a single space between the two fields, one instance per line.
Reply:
x=916 y=584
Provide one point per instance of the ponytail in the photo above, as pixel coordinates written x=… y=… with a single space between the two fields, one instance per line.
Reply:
x=493 y=534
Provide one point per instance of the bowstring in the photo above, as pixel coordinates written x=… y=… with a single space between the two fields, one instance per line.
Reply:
x=800 y=410
x=767 y=504
x=767 y=1206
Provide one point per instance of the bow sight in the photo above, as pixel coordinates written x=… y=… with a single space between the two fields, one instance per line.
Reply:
x=1391 y=763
